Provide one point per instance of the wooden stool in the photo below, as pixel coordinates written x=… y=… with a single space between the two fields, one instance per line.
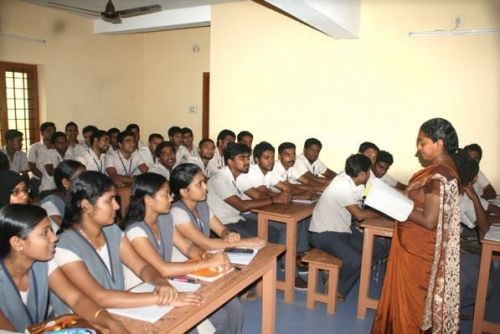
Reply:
x=319 y=260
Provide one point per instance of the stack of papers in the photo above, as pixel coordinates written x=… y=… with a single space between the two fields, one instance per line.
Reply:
x=493 y=233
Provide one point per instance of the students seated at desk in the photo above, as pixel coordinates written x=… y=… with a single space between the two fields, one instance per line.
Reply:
x=36 y=152
x=224 y=138
x=91 y=250
x=151 y=232
x=148 y=153
x=165 y=159
x=87 y=132
x=206 y=150
x=49 y=161
x=482 y=186
x=381 y=167
x=331 y=226
x=94 y=157
x=18 y=160
x=27 y=272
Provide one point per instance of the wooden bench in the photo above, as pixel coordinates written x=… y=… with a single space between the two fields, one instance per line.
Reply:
x=320 y=260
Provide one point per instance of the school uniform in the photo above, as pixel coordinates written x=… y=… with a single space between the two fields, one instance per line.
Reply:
x=35 y=152
x=92 y=161
x=147 y=156
x=158 y=168
x=49 y=157
x=389 y=180
x=123 y=166
x=183 y=154
x=197 y=161
x=302 y=166
x=217 y=162
x=55 y=205
x=19 y=162
x=481 y=183
x=80 y=148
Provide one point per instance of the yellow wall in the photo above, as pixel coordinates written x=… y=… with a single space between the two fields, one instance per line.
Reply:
x=285 y=81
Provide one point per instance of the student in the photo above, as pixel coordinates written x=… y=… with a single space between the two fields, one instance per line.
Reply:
x=246 y=138
x=87 y=132
x=71 y=131
x=176 y=138
x=91 y=250
x=483 y=186
x=50 y=160
x=113 y=138
x=331 y=221
x=36 y=152
x=370 y=150
x=206 y=151
x=134 y=128
x=224 y=138
x=18 y=160
x=14 y=189
x=165 y=159
x=27 y=272
x=93 y=158
x=55 y=204
x=123 y=164
x=186 y=149
x=151 y=232
x=148 y=152
x=381 y=166
x=308 y=169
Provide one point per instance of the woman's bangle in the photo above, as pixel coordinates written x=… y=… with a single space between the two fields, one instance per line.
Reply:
x=99 y=311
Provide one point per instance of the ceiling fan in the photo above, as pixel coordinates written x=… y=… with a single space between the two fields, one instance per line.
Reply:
x=109 y=14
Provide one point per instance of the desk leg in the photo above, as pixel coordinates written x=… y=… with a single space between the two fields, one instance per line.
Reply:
x=269 y=299
x=290 y=256
x=364 y=277
x=262 y=232
x=482 y=284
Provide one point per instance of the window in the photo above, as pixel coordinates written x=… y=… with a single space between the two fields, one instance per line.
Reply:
x=19 y=101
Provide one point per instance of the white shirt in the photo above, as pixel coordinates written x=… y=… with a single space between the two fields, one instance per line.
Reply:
x=216 y=163
x=197 y=161
x=64 y=256
x=80 y=148
x=158 y=168
x=389 y=180
x=35 y=152
x=481 y=183
x=91 y=161
x=49 y=157
x=302 y=166
x=183 y=154
x=147 y=156
x=253 y=179
x=467 y=213
x=222 y=185
x=330 y=213
x=124 y=167
x=19 y=162
x=180 y=216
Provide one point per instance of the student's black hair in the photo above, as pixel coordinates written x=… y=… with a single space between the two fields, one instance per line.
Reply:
x=162 y=145
x=153 y=136
x=18 y=220
x=367 y=145
x=45 y=125
x=133 y=126
x=186 y=130
x=173 y=130
x=181 y=177
x=8 y=181
x=225 y=133
x=384 y=156
x=261 y=148
x=66 y=169
x=4 y=161
x=285 y=146
x=122 y=135
x=357 y=163
x=12 y=134
x=56 y=135
x=89 y=185
x=312 y=141
x=204 y=141
x=98 y=134
x=234 y=149
x=147 y=184
x=474 y=148
x=467 y=167
x=89 y=128
x=113 y=130
x=244 y=133
x=70 y=124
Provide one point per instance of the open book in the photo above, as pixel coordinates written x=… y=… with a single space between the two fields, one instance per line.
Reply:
x=386 y=199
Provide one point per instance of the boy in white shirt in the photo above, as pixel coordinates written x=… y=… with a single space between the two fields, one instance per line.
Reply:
x=87 y=133
x=71 y=130
x=380 y=168
x=36 y=152
x=50 y=160
x=113 y=138
x=18 y=160
x=224 y=138
x=134 y=128
x=148 y=153
x=175 y=137
x=186 y=149
x=165 y=159
x=94 y=157
x=483 y=186
x=206 y=150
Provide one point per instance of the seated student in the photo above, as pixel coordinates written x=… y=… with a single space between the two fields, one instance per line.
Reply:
x=14 y=189
x=113 y=138
x=91 y=250
x=206 y=150
x=87 y=133
x=27 y=272
x=331 y=221
x=36 y=152
x=18 y=160
x=483 y=186
x=71 y=131
x=55 y=204
x=151 y=232
x=123 y=164
x=4 y=162
x=308 y=169
x=148 y=152
x=224 y=138
x=93 y=158
x=186 y=149
x=176 y=138
x=134 y=128
x=246 y=138
x=50 y=160
x=370 y=150
x=227 y=201
x=380 y=168
x=165 y=159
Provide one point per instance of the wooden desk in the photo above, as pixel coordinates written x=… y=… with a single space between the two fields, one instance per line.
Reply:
x=372 y=227
x=217 y=293
x=479 y=324
x=290 y=215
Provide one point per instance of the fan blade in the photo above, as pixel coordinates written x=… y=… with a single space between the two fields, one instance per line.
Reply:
x=139 y=11
x=72 y=8
x=112 y=19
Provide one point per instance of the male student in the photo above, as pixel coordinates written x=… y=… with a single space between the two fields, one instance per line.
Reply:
x=331 y=226
x=224 y=138
x=165 y=159
x=136 y=130
x=370 y=150
x=18 y=160
x=71 y=131
x=245 y=137
x=113 y=138
x=380 y=168
x=186 y=149
x=49 y=161
x=123 y=164
x=148 y=153
x=94 y=157
x=87 y=133
x=206 y=150
x=483 y=186
x=37 y=152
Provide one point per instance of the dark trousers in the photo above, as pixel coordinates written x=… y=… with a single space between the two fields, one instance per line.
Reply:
x=229 y=318
x=469 y=273
x=248 y=228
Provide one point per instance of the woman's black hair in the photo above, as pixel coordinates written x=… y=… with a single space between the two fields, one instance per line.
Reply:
x=357 y=163
x=18 y=220
x=181 y=177
x=439 y=128
x=66 y=169
x=147 y=184
x=466 y=166
x=89 y=185
x=8 y=181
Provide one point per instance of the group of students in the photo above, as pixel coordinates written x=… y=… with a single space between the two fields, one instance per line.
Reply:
x=81 y=203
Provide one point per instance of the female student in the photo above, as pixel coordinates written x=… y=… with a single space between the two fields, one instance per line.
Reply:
x=421 y=291
x=150 y=229
x=27 y=272
x=91 y=250
x=192 y=216
x=13 y=188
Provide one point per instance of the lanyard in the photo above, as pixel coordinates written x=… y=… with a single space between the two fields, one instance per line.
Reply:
x=129 y=171
x=98 y=164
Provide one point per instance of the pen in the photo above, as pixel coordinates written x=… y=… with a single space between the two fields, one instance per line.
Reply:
x=237 y=268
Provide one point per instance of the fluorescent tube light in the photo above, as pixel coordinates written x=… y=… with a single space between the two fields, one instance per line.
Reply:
x=454 y=32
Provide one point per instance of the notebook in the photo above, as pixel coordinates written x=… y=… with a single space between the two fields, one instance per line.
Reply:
x=208 y=274
x=386 y=199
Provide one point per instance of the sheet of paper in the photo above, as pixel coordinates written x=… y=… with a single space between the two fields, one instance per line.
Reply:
x=242 y=258
x=386 y=199
x=493 y=233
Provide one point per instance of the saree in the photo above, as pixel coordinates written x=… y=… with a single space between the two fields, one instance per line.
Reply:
x=421 y=290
